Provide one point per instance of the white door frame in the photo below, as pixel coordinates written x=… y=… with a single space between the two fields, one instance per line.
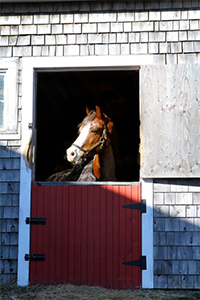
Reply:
x=36 y=64
x=147 y=233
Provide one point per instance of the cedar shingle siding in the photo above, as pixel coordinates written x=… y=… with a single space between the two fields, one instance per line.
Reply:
x=167 y=31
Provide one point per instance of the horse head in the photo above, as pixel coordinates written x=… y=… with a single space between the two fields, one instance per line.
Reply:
x=94 y=136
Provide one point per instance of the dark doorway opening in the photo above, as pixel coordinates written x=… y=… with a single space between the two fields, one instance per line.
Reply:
x=61 y=100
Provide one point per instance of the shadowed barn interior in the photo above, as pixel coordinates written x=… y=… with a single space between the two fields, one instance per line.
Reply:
x=61 y=100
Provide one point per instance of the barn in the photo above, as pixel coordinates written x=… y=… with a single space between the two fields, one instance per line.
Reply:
x=139 y=61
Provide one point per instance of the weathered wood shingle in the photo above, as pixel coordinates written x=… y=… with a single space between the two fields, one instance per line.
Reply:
x=176 y=234
x=9 y=211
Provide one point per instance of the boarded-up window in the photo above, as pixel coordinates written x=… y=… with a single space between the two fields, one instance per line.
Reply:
x=169 y=115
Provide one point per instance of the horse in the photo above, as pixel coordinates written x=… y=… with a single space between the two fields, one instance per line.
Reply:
x=92 y=153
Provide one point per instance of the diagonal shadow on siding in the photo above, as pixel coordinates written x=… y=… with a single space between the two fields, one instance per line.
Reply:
x=177 y=233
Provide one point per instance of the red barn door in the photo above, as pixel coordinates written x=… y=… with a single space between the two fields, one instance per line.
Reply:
x=87 y=236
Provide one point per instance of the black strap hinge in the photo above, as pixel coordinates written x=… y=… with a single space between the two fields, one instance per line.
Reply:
x=138 y=263
x=36 y=221
x=140 y=206
x=34 y=257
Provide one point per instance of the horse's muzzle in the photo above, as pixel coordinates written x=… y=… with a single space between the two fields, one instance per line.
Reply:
x=74 y=156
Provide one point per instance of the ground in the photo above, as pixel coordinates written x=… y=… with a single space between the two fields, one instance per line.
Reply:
x=10 y=291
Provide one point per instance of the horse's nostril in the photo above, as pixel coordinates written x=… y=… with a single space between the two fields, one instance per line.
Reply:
x=72 y=153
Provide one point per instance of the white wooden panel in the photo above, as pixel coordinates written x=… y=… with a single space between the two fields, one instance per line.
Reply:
x=10 y=69
x=147 y=234
x=169 y=114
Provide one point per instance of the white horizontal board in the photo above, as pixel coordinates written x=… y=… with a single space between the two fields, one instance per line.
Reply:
x=169 y=114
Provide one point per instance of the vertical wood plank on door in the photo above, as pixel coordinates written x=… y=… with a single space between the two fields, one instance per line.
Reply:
x=65 y=240
x=47 y=234
x=84 y=239
x=97 y=244
x=78 y=228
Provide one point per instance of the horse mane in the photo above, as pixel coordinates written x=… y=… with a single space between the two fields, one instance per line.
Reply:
x=115 y=147
x=87 y=119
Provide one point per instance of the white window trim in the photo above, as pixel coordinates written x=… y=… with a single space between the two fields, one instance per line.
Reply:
x=29 y=66
x=4 y=72
x=9 y=67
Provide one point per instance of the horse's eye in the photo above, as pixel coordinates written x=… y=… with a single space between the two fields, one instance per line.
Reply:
x=94 y=131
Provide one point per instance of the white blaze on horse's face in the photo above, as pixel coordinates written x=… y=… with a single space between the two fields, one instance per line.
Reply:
x=74 y=153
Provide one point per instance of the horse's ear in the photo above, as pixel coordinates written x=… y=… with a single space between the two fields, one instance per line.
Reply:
x=96 y=166
x=98 y=112
x=87 y=111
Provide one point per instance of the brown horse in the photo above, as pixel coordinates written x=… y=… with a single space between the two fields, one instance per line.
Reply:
x=92 y=152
